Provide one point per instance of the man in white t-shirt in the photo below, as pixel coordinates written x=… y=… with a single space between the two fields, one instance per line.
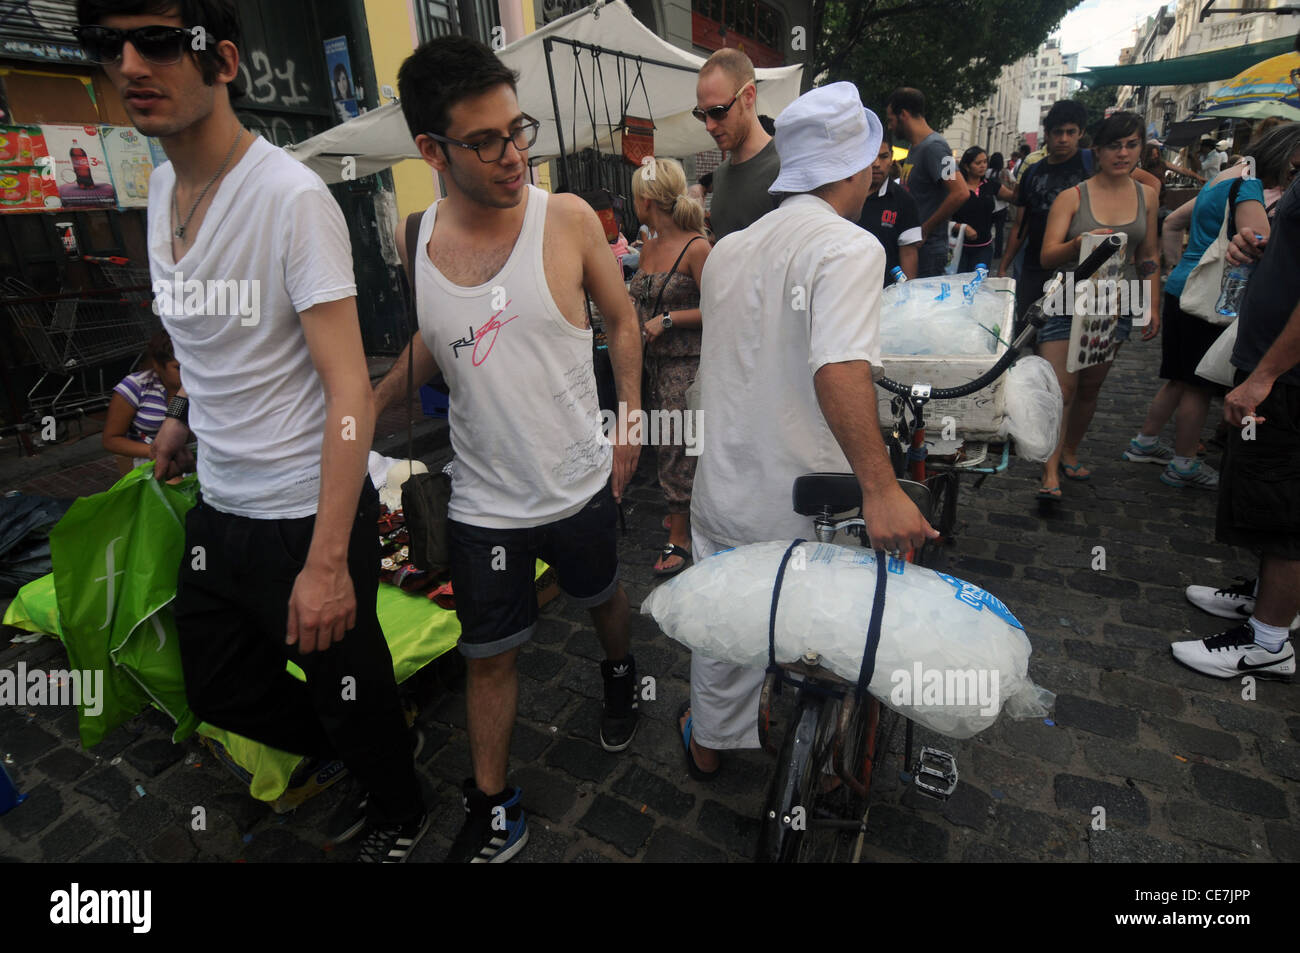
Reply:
x=252 y=276
x=791 y=310
x=1212 y=156
x=502 y=271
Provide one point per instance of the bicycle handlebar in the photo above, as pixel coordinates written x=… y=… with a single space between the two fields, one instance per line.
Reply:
x=1035 y=319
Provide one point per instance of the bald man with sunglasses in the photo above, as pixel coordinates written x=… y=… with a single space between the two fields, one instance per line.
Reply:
x=726 y=94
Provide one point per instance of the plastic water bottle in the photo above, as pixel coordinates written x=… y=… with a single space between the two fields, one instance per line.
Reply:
x=900 y=279
x=1234 y=287
x=968 y=290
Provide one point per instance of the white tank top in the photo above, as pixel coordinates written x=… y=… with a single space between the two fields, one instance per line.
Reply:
x=524 y=415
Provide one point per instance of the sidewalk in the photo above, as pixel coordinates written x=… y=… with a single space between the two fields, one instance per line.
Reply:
x=1187 y=769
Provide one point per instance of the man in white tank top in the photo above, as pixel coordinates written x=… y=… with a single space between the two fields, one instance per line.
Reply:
x=501 y=273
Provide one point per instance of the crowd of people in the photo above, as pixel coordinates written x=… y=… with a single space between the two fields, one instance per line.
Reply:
x=771 y=310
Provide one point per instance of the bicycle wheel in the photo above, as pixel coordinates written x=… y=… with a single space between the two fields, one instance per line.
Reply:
x=786 y=808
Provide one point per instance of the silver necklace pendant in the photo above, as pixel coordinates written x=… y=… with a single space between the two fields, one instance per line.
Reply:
x=180 y=231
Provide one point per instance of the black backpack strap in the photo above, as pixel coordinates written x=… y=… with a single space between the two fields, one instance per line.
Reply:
x=1232 y=207
x=873 y=627
x=672 y=271
x=776 y=597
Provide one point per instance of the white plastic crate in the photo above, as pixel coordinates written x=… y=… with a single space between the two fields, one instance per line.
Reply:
x=978 y=416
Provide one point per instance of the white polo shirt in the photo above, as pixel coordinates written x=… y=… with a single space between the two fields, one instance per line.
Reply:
x=798 y=289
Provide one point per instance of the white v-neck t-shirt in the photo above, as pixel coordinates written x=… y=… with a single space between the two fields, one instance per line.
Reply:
x=272 y=245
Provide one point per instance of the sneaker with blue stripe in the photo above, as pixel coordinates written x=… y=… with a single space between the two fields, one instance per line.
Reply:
x=495 y=827
x=1199 y=477
x=1156 y=453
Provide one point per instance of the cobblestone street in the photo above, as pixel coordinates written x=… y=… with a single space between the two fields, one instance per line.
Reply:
x=1186 y=769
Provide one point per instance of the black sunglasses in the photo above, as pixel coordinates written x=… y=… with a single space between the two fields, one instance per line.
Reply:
x=493 y=148
x=160 y=45
x=717 y=113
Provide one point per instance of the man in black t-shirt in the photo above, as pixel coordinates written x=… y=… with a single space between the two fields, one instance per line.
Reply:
x=1064 y=167
x=1259 y=484
x=890 y=214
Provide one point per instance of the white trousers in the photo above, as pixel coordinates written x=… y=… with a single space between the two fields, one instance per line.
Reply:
x=724 y=696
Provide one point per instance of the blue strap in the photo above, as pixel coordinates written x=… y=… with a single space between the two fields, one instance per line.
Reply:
x=873 y=628
x=776 y=596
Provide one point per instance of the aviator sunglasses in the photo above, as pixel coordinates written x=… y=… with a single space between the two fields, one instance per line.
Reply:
x=717 y=113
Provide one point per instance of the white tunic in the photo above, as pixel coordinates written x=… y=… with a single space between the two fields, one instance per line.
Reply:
x=798 y=289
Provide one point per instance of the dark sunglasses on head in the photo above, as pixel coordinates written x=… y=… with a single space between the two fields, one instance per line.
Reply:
x=160 y=45
x=717 y=113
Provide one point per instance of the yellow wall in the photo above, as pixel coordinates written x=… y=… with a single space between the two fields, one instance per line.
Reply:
x=392 y=38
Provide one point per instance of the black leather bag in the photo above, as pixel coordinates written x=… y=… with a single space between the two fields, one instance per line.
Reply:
x=425 y=496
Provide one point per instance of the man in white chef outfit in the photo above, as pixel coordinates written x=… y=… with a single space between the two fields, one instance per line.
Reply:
x=791 y=339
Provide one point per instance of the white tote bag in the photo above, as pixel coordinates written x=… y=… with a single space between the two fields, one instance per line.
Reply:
x=955 y=244
x=1201 y=291
x=1216 y=365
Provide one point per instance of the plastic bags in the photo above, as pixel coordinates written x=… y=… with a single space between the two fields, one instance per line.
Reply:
x=1033 y=408
x=919 y=318
x=950 y=654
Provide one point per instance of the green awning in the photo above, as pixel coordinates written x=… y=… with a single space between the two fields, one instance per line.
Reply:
x=1187 y=70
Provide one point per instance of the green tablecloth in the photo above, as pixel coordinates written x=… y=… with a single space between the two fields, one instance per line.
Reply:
x=116 y=556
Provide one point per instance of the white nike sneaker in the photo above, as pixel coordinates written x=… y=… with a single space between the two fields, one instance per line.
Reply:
x=1234 y=653
x=1231 y=602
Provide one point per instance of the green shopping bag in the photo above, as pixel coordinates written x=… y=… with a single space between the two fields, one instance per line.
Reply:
x=115 y=558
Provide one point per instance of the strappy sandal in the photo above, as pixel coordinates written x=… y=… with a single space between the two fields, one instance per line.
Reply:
x=669 y=551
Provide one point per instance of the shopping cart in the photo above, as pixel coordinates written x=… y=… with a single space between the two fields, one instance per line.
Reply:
x=78 y=330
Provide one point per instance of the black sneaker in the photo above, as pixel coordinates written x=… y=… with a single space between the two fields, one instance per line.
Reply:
x=392 y=845
x=495 y=827
x=349 y=817
x=619 y=719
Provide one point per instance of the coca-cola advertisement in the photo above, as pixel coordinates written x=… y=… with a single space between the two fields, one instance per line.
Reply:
x=81 y=169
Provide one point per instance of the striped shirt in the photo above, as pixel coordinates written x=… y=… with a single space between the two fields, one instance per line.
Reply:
x=144 y=391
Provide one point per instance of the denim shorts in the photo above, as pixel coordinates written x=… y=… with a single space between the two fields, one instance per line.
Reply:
x=492 y=572
x=1057 y=328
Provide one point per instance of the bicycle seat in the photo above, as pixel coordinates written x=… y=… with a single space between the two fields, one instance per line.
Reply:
x=817 y=493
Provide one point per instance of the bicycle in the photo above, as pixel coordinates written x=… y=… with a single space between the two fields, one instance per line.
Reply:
x=839 y=735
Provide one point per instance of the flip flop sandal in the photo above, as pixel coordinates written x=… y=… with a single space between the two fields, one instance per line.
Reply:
x=694 y=770
x=1050 y=493
x=673 y=550
x=1072 y=472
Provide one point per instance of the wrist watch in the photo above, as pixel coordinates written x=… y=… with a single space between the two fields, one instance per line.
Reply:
x=178 y=408
x=666 y=321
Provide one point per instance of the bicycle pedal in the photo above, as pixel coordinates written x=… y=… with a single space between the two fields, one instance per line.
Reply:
x=935 y=773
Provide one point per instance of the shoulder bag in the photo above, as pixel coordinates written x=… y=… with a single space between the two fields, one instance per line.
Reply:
x=1201 y=292
x=425 y=496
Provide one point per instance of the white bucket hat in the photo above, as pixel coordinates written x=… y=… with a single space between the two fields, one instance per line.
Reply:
x=823 y=136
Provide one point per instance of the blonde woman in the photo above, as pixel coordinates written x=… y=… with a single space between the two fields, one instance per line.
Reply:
x=666 y=292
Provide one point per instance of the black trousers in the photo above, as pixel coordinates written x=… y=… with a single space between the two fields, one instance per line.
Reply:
x=232 y=610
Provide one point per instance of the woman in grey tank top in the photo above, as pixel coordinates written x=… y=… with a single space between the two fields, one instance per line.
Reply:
x=1110 y=201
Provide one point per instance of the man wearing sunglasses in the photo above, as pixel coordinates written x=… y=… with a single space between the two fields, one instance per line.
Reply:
x=281 y=557
x=725 y=96
x=502 y=271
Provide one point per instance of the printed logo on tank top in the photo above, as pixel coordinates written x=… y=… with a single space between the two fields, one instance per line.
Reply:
x=484 y=339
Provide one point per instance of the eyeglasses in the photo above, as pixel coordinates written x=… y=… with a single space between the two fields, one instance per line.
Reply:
x=493 y=148
x=160 y=45
x=717 y=113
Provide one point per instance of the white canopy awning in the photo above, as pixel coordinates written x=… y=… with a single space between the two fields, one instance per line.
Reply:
x=379 y=139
